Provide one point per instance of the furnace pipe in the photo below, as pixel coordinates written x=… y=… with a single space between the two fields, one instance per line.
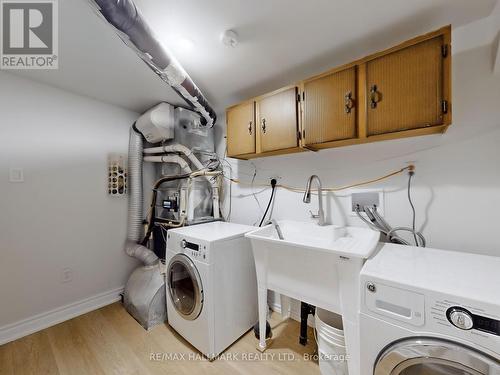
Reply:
x=133 y=29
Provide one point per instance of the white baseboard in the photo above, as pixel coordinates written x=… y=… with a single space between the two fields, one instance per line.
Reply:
x=294 y=313
x=25 y=327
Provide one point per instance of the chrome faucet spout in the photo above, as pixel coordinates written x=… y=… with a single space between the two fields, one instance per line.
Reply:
x=307 y=194
x=307 y=198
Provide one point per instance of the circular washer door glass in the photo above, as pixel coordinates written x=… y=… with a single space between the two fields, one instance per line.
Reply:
x=433 y=356
x=438 y=369
x=185 y=288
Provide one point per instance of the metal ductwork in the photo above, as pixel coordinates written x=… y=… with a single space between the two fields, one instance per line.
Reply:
x=131 y=27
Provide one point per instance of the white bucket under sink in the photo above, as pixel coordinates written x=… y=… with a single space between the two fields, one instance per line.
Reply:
x=331 y=343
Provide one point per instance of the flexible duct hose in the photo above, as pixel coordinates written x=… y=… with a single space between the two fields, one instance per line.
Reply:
x=135 y=202
x=140 y=252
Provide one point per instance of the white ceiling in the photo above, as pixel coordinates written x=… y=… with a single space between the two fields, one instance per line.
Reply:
x=94 y=62
x=281 y=41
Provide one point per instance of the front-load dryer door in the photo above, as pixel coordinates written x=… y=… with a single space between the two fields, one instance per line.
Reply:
x=185 y=288
x=429 y=356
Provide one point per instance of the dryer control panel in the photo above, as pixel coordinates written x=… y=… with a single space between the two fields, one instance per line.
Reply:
x=196 y=250
x=464 y=319
x=472 y=321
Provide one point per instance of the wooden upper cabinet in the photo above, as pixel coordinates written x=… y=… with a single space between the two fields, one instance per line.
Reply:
x=278 y=120
x=329 y=107
x=405 y=89
x=241 y=129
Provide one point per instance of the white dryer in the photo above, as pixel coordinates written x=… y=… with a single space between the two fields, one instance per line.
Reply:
x=427 y=311
x=211 y=284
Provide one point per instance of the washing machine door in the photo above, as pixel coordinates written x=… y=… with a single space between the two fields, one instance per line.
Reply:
x=184 y=287
x=429 y=356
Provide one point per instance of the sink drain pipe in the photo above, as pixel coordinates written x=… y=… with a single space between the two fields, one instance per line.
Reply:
x=132 y=28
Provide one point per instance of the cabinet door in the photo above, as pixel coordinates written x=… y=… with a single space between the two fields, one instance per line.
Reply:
x=241 y=129
x=405 y=88
x=278 y=120
x=329 y=107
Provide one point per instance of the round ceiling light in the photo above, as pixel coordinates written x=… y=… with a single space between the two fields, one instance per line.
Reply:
x=185 y=44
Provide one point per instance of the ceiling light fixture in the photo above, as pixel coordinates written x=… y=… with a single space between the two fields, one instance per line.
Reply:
x=185 y=44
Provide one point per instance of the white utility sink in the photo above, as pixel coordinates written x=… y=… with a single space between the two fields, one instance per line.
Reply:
x=351 y=242
x=316 y=264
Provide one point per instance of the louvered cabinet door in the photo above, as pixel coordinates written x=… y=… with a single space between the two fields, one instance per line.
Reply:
x=278 y=121
x=330 y=107
x=241 y=129
x=405 y=88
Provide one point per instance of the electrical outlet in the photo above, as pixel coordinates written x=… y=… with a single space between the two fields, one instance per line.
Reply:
x=66 y=275
x=16 y=175
x=367 y=198
x=277 y=178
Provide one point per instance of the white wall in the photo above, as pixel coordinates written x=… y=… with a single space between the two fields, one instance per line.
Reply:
x=61 y=216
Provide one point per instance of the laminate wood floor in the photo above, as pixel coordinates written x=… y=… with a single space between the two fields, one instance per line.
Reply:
x=110 y=341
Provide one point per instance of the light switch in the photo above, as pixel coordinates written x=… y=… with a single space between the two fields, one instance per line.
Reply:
x=16 y=175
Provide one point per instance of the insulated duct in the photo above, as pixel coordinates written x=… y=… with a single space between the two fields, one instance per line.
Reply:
x=135 y=203
x=144 y=294
x=131 y=27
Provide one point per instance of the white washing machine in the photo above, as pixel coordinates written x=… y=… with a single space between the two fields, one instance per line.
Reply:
x=427 y=311
x=211 y=284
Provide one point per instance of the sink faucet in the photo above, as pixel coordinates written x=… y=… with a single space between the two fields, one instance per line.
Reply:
x=307 y=199
x=277 y=227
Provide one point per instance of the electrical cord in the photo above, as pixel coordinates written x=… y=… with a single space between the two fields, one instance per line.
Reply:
x=273 y=191
x=331 y=189
x=410 y=175
x=252 y=186
x=224 y=159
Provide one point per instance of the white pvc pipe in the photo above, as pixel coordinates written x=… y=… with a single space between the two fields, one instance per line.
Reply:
x=174 y=159
x=176 y=148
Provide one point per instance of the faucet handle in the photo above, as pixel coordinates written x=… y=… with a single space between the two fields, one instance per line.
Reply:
x=314 y=216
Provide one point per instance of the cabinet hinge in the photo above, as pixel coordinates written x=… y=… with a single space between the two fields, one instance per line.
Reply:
x=444 y=50
x=444 y=106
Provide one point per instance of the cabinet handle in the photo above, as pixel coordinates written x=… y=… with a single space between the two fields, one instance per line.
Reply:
x=263 y=125
x=375 y=96
x=349 y=102
x=250 y=128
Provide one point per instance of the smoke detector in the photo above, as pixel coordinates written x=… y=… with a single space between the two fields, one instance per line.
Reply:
x=229 y=38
